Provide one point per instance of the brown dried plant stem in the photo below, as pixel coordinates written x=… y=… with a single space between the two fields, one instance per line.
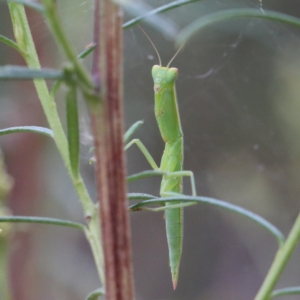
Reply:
x=107 y=122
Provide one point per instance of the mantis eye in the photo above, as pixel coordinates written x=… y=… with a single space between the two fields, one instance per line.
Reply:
x=155 y=69
x=172 y=74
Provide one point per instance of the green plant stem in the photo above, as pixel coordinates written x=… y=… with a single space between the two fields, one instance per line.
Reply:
x=106 y=113
x=281 y=259
x=25 y=42
x=61 y=38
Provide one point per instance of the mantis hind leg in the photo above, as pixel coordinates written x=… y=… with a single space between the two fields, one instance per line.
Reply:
x=183 y=174
x=177 y=174
x=170 y=206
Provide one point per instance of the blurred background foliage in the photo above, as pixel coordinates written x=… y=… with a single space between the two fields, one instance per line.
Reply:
x=238 y=92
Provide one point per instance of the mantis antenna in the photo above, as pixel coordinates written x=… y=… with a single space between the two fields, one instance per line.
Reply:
x=175 y=55
x=159 y=59
x=151 y=44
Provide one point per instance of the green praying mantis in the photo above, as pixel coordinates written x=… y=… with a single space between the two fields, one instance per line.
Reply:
x=168 y=120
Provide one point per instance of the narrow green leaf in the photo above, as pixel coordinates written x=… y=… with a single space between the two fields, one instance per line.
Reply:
x=145 y=174
x=73 y=128
x=87 y=51
x=55 y=87
x=156 y=11
x=230 y=14
x=295 y=290
x=228 y=206
x=163 y=24
x=9 y=42
x=140 y=196
x=83 y=54
x=38 y=7
x=41 y=220
x=9 y=72
x=132 y=129
x=95 y=294
x=35 y=129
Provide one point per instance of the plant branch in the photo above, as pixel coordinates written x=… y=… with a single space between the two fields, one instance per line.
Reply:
x=59 y=34
x=107 y=122
x=25 y=42
x=281 y=259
